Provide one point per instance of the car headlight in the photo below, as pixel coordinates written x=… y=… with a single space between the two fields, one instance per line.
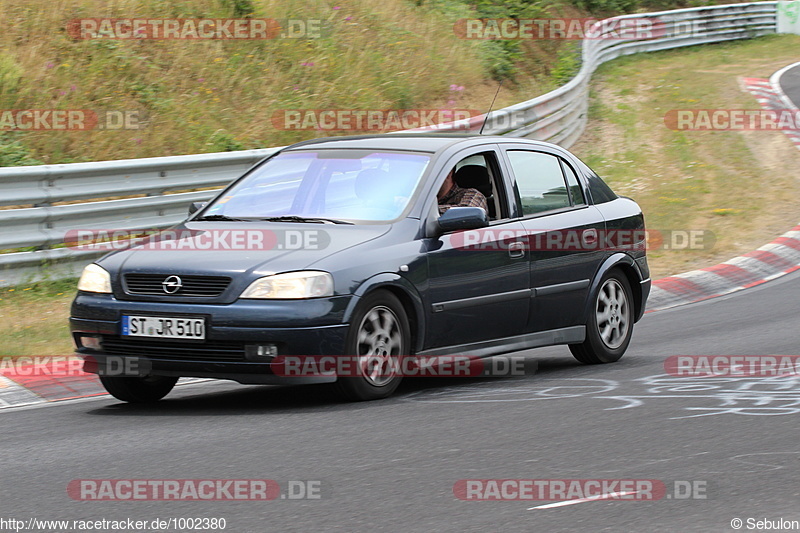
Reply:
x=291 y=285
x=95 y=279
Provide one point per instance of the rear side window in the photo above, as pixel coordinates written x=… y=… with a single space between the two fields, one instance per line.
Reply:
x=599 y=191
x=540 y=181
x=575 y=190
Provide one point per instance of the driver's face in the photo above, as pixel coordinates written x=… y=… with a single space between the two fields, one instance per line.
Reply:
x=446 y=186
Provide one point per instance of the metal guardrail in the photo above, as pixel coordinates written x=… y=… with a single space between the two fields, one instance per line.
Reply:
x=46 y=224
x=559 y=117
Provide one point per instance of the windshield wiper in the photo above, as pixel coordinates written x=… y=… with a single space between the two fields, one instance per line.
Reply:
x=294 y=218
x=220 y=217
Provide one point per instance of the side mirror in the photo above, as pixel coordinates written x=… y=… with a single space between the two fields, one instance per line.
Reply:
x=194 y=207
x=462 y=218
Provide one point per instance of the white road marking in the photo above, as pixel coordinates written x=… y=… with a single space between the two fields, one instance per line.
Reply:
x=584 y=500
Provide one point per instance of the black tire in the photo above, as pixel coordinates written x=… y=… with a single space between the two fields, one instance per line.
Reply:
x=376 y=346
x=138 y=389
x=610 y=324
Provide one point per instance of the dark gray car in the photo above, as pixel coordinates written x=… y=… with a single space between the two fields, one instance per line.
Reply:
x=354 y=259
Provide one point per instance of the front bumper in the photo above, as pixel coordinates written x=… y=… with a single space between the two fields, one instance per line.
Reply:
x=249 y=373
x=294 y=327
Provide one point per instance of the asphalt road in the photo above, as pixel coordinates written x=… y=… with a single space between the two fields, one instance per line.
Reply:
x=391 y=465
x=790 y=83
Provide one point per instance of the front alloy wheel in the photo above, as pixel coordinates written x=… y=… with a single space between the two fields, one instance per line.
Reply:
x=378 y=339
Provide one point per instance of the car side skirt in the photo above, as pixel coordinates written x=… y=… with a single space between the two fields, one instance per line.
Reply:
x=570 y=335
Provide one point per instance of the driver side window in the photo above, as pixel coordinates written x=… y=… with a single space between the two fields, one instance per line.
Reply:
x=481 y=172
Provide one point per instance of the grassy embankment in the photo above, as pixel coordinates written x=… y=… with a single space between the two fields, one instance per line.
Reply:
x=742 y=186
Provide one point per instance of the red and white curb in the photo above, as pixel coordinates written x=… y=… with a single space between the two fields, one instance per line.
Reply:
x=771 y=261
x=769 y=94
x=40 y=383
x=12 y=394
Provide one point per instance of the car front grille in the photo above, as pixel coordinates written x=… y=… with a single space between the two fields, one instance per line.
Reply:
x=174 y=350
x=153 y=284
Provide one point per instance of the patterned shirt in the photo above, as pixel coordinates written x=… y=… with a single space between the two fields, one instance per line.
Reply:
x=460 y=197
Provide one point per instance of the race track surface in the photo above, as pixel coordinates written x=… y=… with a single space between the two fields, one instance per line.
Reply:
x=392 y=465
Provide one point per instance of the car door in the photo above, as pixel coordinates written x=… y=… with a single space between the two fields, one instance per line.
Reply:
x=565 y=235
x=479 y=280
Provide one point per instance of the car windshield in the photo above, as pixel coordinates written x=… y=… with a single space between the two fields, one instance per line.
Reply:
x=333 y=185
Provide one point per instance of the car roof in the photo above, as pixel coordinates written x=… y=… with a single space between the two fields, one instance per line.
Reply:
x=418 y=142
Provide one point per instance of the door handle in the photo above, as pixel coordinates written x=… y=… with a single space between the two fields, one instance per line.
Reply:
x=516 y=249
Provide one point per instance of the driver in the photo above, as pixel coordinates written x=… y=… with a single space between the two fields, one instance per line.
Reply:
x=451 y=195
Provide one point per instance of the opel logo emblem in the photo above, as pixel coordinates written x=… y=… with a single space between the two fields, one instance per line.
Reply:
x=172 y=284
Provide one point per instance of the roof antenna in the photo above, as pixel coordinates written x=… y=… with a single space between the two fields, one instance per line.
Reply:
x=490 y=107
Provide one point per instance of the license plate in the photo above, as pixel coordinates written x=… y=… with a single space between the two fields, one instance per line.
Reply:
x=164 y=327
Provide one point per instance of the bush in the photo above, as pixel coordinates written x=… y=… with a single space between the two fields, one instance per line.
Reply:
x=14 y=154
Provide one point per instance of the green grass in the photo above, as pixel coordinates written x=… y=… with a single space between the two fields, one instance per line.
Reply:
x=210 y=96
x=34 y=318
x=739 y=185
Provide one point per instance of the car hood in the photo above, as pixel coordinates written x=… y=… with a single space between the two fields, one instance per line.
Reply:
x=237 y=248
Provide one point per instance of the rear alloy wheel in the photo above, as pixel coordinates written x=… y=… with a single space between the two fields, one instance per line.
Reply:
x=138 y=389
x=378 y=339
x=610 y=325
